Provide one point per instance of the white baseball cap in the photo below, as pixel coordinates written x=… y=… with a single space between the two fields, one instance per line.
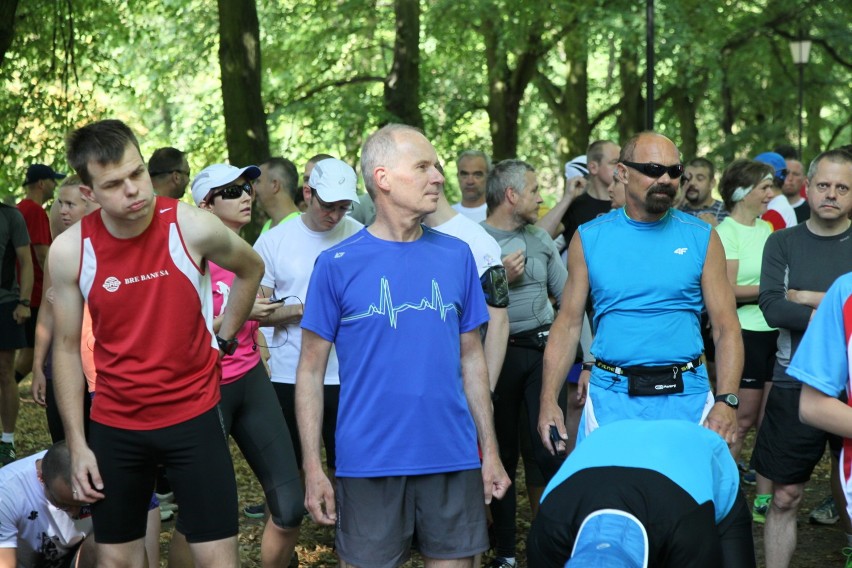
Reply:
x=576 y=168
x=218 y=175
x=334 y=180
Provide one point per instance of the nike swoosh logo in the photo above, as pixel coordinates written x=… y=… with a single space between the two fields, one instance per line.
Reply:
x=166 y=209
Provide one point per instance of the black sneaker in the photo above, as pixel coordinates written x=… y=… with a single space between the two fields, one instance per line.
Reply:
x=256 y=511
x=7 y=453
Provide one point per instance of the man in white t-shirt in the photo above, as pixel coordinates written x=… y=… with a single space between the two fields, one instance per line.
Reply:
x=289 y=251
x=473 y=167
x=41 y=521
x=486 y=253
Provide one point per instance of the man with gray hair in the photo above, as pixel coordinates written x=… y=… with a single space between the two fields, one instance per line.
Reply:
x=402 y=304
x=535 y=273
x=473 y=167
x=799 y=265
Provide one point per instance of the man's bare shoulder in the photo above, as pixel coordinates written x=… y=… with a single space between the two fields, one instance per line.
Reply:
x=68 y=241
x=196 y=225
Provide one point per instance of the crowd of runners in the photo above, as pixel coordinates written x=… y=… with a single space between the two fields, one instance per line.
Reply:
x=386 y=360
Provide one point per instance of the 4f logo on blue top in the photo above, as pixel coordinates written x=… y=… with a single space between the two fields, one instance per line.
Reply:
x=681 y=250
x=386 y=307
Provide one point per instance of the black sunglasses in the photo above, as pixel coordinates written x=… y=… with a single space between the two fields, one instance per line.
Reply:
x=233 y=191
x=656 y=170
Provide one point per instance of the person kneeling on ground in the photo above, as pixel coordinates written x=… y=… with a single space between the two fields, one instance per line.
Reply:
x=661 y=493
x=43 y=523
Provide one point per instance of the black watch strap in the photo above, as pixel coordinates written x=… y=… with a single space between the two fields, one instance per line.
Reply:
x=24 y=303
x=730 y=399
x=228 y=346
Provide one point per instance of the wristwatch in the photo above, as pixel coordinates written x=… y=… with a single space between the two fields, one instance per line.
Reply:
x=228 y=346
x=730 y=399
x=25 y=303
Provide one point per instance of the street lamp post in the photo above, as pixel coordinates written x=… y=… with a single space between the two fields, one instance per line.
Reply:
x=801 y=52
x=649 y=64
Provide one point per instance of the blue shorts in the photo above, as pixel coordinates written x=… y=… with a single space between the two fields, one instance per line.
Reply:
x=605 y=406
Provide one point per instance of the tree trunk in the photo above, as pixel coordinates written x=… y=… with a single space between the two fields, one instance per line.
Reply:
x=812 y=144
x=685 y=108
x=239 y=58
x=402 y=85
x=7 y=26
x=633 y=104
x=246 y=133
x=569 y=104
x=506 y=86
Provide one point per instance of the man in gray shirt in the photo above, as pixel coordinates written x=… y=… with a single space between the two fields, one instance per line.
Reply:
x=799 y=265
x=535 y=272
x=14 y=311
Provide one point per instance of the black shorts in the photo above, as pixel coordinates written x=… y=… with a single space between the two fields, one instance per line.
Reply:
x=12 y=334
x=786 y=451
x=760 y=348
x=70 y=559
x=707 y=337
x=286 y=393
x=29 y=328
x=252 y=416
x=197 y=460
x=377 y=517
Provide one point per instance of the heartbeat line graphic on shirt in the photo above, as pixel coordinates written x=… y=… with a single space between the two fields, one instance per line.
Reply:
x=387 y=308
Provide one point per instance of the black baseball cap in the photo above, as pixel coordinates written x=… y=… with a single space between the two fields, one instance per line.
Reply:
x=38 y=172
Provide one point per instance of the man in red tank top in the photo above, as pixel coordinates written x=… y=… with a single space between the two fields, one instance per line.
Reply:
x=141 y=264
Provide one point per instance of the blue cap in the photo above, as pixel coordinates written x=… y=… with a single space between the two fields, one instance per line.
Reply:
x=610 y=538
x=776 y=161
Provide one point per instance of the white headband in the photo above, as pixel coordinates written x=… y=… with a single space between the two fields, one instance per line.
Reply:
x=741 y=192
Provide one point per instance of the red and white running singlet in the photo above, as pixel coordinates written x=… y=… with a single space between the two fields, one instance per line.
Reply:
x=155 y=351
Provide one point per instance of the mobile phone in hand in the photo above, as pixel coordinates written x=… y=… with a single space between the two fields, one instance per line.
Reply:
x=555 y=438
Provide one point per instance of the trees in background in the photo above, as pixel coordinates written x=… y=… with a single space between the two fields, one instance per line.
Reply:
x=242 y=80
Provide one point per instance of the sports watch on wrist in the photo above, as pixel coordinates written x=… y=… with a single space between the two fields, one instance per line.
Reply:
x=730 y=399
x=25 y=303
x=228 y=346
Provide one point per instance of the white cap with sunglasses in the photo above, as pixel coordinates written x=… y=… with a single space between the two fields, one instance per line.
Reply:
x=219 y=175
x=334 y=180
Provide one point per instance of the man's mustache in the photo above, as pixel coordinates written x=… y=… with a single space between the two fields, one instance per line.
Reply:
x=664 y=188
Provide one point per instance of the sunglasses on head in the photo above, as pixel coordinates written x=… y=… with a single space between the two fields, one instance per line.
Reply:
x=233 y=191
x=656 y=170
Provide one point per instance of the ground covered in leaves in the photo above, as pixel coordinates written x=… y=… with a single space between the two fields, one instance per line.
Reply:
x=818 y=546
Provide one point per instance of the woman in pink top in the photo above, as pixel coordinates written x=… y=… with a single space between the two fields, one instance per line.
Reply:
x=250 y=411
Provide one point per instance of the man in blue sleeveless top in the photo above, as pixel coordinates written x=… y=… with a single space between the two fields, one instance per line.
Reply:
x=644 y=493
x=650 y=270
